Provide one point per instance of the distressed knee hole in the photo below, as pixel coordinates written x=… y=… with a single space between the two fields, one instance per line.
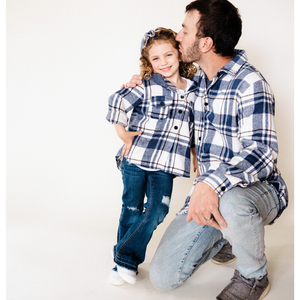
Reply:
x=166 y=200
x=132 y=208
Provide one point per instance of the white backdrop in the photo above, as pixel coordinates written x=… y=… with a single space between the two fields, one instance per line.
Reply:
x=64 y=59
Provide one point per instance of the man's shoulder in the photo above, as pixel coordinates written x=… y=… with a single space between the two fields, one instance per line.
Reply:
x=249 y=77
x=246 y=71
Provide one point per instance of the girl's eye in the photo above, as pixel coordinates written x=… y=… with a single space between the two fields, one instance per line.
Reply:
x=170 y=54
x=154 y=58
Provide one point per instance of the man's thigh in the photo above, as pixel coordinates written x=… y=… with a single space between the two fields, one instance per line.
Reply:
x=257 y=199
x=184 y=247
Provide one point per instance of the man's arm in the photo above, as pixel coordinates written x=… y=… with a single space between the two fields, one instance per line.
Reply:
x=257 y=157
x=255 y=162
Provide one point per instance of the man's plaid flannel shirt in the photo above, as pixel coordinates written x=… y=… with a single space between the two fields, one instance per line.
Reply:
x=234 y=128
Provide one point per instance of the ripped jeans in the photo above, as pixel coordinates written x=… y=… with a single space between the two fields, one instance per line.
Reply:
x=138 y=220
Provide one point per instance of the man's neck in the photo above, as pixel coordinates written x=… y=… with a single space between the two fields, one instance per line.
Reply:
x=212 y=63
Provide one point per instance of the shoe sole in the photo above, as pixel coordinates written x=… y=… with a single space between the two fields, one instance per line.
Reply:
x=128 y=278
x=222 y=263
x=265 y=292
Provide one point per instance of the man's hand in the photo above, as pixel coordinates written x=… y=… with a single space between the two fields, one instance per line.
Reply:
x=204 y=204
x=134 y=81
x=126 y=137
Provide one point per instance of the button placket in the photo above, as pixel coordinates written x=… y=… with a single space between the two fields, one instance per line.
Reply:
x=179 y=111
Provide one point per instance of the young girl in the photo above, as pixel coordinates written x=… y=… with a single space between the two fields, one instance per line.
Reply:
x=157 y=145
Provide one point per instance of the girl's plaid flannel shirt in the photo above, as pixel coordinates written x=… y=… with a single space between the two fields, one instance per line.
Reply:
x=166 y=118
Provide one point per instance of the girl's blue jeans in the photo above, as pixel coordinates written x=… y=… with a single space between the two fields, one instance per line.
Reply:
x=138 y=220
x=186 y=246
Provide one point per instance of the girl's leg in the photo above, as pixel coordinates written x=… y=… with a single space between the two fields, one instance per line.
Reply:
x=134 y=191
x=130 y=250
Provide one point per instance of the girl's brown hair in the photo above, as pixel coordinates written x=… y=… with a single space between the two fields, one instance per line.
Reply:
x=187 y=70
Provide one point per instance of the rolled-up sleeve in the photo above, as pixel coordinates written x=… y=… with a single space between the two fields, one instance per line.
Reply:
x=123 y=101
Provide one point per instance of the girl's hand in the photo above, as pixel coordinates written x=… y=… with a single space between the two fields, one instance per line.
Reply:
x=126 y=137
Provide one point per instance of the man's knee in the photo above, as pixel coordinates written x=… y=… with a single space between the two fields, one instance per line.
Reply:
x=234 y=204
x=160 y=277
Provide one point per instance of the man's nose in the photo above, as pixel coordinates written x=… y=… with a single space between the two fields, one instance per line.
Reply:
x=178 y=36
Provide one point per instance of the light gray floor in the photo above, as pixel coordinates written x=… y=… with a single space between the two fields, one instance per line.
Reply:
x=61 y=262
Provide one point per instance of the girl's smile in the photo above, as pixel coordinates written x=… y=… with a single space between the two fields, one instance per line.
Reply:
x=166 y=69
x=164 y=59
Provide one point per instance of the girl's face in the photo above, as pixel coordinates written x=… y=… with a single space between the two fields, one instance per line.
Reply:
x=164 y=59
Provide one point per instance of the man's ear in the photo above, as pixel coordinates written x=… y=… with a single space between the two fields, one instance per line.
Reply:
x=206 y=44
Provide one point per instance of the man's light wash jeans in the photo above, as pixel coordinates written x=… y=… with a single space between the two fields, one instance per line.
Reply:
x=186 y=246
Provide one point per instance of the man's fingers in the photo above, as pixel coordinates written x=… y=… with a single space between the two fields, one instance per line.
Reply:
x=135 y=80
x=214 y=224
x=131 y=85
x=218 y=217
x=137 y=77
x=189 y=218
x=192 y=216
x=215 y=221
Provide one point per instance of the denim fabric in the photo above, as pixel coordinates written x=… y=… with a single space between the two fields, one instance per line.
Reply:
x=186 y=246
x=138 y=220
x=247 y=211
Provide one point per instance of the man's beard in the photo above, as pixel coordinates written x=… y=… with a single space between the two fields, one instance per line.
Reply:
x=192 y=54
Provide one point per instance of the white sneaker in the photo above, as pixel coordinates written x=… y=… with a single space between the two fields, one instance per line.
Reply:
x=115 y=278
x=128 y=275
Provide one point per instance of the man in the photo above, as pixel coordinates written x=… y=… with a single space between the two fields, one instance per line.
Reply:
x=239 y=189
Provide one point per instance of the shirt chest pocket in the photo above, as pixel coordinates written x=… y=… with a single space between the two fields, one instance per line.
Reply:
x=159 y=107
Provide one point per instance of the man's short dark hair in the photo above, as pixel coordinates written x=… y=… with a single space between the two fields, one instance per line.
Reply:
x=219 y=20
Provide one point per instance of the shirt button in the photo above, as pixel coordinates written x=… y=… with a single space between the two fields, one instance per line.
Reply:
x=180 y=111
x=176 y=127
x=223 y=188
x=199 y=138
x=182 y=97
x=162 y=103
x=205 y=103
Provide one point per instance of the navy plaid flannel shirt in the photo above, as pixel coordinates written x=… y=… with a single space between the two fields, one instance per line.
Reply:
x=166 y=118
x=234 y=130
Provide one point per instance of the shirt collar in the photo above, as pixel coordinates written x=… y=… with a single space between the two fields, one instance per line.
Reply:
x=233 y=66
x=158 y=79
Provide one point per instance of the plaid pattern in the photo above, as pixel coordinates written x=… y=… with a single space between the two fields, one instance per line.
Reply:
x=235 y=132
x=166 y=118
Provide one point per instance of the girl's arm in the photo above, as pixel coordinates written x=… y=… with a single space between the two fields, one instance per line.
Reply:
x=126 y=137
x=195 y=161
